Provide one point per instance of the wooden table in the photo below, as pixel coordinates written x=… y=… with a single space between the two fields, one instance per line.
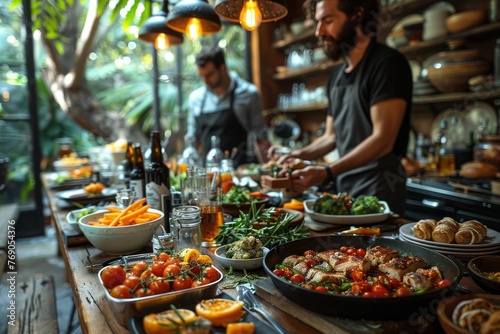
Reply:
x=96 y=316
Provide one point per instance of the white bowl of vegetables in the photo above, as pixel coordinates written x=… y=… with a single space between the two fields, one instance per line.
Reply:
x=73 y=216
x=247 y=253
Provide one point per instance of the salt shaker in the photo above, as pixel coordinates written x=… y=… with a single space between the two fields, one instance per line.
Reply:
x=186 y=220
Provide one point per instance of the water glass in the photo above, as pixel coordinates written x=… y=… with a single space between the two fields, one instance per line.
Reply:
x=185 y=222
x=212 y=216
x=124 y=198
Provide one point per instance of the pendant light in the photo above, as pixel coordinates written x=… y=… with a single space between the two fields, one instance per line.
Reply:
x=251 y=13
x=155 y=30
x=194 y=18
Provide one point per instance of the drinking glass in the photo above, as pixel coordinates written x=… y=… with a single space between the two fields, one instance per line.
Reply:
x=124 y=198
x=212 y=218
x=186 y=221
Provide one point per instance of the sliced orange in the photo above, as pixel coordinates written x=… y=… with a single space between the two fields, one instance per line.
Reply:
x=167 y=322
x=203 y=259
x=191 y=254
x=240 y=328
x=220 y=312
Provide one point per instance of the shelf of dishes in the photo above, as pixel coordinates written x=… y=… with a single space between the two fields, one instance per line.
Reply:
x=285 y=73
x=452 y=97
x=486 y=30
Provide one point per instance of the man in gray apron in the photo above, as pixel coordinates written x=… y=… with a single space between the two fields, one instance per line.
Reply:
x=368 y=118
x=226 y=106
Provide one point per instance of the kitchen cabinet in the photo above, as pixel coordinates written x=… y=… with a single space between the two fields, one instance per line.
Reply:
x=426 y=107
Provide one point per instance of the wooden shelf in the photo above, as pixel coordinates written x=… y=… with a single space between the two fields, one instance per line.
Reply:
x=484 y=31
x=304 y=36
x=454 y=97
x=298 y=109
x=300 y=72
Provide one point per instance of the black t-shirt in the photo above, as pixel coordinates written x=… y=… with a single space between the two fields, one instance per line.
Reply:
x=387 y=76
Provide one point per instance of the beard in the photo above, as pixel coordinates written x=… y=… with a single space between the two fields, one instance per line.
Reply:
x=336 y=48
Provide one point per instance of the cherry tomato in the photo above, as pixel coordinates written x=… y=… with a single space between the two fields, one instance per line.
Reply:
x=288 y=272
x=351 y=251
x=401 y=292
x=297 y=278
x=120 y=291
x=112 y=276
x=279 y=272
x=148 y=275
x=394 y=283
x=379 y=290
x=358 y=275
x=194 y=267
x=159 y=286
x=143 y=292
x=309 y=252
x=343 y=249
x=162 y=257
x=444 y=283
x=361 y=252
x=139 y=267
x=171 y=271
x=158 y=268
x=321 y=289
x=133 y=282
x=359 y=288
x=182 y=282
x=368 y=294
x=211 y=273
x=384 y=280
x=310 y=263
x=200 y=282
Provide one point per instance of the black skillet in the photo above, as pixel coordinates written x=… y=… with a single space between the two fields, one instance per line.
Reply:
x=390 y=308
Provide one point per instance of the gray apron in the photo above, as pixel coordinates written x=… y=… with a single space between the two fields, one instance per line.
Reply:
x=224 y=124
x=384 y=177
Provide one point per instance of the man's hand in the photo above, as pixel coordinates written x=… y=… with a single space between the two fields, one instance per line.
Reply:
x=306 y=177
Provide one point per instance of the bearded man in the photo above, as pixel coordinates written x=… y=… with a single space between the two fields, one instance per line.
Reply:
x=369 y=105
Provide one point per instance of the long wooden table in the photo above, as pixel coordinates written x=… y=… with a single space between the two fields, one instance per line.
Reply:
x=96 y=316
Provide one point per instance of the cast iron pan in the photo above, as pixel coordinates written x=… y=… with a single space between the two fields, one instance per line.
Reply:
x=390 y=308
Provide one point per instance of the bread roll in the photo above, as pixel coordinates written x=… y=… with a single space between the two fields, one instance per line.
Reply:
x=423 y=229
x=492 y=325
x=478 y=169
x=443 y=233
x=481 y=228
x=452 y=223
x=468 y=235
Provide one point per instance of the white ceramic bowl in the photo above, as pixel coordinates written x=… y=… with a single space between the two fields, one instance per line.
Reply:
x=238 y=264
x=119 y=240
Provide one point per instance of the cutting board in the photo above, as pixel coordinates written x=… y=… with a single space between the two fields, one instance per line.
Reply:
x=265 y=289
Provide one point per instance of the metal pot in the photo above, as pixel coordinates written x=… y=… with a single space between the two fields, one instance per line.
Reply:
x=354 y=306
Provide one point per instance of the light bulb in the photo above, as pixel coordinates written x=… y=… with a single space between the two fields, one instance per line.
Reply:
x=194 y=29
x=250 y=16
x=162 y=42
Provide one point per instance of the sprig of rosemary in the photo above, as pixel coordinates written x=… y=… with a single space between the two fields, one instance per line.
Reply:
x=270 y=235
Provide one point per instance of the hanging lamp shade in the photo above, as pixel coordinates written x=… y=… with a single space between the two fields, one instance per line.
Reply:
x=183 y=14
x=157 y=24
x=270 y=10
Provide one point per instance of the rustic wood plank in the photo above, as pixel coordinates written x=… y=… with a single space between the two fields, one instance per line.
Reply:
x=36 y=310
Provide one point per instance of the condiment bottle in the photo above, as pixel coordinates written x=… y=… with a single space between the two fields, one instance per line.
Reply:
x=214 y=156
x=137 y=175
x=158 y=178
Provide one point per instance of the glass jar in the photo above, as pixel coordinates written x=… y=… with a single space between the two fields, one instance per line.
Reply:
x=185 y=222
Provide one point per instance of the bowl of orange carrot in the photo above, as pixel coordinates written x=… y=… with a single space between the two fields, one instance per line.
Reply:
x=120 y=231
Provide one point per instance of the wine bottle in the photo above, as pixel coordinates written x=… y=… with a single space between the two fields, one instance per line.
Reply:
x=137 y=174
x=128 y=164
x=158 y=193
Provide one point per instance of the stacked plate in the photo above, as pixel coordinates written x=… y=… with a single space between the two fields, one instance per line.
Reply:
x=435 y=20
x=491 y=245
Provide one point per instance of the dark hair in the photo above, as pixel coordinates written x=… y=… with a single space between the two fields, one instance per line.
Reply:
x=369 y=10
x=209 y=54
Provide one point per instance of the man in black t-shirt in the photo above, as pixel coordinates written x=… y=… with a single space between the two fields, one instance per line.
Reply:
x=368 y=118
